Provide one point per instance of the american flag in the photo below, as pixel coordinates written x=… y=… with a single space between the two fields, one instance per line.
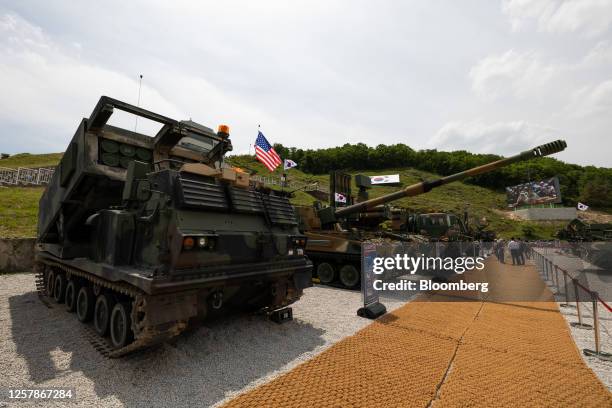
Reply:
x=265 y=153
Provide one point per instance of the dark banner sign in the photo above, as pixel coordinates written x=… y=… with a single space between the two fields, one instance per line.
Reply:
x=533 y=193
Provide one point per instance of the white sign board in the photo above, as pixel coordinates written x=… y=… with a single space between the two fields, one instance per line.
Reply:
x=387 y=179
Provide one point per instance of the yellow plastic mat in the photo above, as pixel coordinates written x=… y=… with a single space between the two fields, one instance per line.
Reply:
x=448 y=354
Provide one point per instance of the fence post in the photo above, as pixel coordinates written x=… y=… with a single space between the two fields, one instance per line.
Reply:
x=579 y=324
x=597 y=352
x=549 y=271
x=566 y=304
x=596 y=322
x=557 y=277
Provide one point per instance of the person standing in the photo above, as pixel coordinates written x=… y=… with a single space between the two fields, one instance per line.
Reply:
x=521 y=251
x=499 y=250
x=527 y=249
x=513 y=246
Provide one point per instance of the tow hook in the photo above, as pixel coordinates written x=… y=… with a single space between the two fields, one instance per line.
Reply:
x=217 y=300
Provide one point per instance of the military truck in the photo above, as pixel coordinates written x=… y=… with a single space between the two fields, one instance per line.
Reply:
x=144 y=235
x=334 y=244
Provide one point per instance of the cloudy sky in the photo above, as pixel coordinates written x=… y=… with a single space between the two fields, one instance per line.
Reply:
x=485 y=76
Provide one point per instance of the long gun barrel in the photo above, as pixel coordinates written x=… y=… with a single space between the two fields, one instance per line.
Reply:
x=423 y=187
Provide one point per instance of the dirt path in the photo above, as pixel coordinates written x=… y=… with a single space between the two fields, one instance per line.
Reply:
x=449 y=354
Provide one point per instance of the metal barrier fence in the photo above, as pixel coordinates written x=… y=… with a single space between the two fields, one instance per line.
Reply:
x=550 y=271
x=24 y=176
x=41 y=176
x=292 y=185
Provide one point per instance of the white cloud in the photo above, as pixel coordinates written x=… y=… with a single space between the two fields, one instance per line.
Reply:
x=565 y=88
x=503 y=138
x=312 y=75
x=530 y=97
x=589 y=17
x=49 y=87
x=592 y=102
x=510 y=73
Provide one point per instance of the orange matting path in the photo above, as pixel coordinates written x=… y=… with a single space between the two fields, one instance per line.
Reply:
x=495 y=353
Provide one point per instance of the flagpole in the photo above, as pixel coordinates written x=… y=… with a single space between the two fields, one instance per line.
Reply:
x=258 y=130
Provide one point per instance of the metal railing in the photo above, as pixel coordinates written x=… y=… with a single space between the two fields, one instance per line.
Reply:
x=24 y=176
x=291 y=185
x=550 y=272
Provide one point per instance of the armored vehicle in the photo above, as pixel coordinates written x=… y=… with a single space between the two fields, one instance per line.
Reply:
x=144 y=235
x=591 y=241
x=334 y=243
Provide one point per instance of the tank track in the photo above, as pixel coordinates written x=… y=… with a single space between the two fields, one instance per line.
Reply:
x=144 y=336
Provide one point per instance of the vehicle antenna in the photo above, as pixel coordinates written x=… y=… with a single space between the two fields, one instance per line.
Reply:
x=138 y=102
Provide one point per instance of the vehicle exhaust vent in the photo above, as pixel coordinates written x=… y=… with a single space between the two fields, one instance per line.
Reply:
x=195 y=192
x=247 y=201
x=279 y=210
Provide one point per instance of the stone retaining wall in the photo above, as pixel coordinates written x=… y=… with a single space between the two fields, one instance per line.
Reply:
x=543 y=214
x=16 y=255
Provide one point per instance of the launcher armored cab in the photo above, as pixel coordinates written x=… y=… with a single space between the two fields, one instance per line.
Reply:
x=335 y=246
x=141 y=234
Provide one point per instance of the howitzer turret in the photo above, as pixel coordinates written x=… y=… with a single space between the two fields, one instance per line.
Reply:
x=331 y=214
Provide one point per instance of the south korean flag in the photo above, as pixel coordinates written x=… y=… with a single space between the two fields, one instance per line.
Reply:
x=582 y=207
x=340 y=198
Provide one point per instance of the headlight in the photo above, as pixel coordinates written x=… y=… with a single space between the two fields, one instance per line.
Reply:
x=199 y=242
x=299 y=242
x=188 y=243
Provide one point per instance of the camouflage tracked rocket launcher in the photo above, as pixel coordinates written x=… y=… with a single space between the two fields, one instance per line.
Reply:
x=143 y=234
x=336 y=251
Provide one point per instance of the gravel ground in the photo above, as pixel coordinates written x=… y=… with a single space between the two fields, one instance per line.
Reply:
x=585 y=338
x=42 y=348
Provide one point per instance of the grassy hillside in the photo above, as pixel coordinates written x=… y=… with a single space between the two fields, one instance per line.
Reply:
x=19 y=211
x=31 y=160
x=19 y=206
x=455 y=197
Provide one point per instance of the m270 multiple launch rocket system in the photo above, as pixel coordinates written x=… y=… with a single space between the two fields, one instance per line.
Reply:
x=141 y=234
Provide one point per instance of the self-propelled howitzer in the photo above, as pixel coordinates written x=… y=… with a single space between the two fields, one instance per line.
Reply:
x=336 y=249
x=425 y=186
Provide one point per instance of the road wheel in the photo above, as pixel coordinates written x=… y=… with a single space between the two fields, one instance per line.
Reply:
x=85 y=304
x=121 y=325
x=59 y=288
x=349 y=276
x=326 y=272
x=50 y=282
x=102 y=313
x=71 y=295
